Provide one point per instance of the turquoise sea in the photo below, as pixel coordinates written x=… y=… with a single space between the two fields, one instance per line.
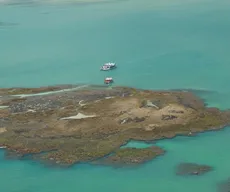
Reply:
x=157 y=44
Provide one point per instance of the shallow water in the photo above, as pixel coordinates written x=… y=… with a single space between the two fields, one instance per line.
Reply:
x=157 y=45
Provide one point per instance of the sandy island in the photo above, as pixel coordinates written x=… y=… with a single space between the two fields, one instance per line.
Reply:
x=90 y=125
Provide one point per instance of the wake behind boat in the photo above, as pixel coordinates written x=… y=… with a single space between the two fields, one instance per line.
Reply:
x=108 y=66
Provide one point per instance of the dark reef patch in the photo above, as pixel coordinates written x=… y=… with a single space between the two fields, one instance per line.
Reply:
x=192 y=169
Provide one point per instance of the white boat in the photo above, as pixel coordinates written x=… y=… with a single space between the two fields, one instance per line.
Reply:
x=108 y=80
x=108 y=66
x=105 y=68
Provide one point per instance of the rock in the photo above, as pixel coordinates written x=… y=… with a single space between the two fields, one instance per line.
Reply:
x=128 y=120
x=139 y=119
x=143 y=103
x=131 y=156
x=224 y=186
x=151 y=127
x=168 y=117
x=175 y=111
x=192 y=169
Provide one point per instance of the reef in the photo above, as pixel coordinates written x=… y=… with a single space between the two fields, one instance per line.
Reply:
x=184 y=169
x=224 y=186
x=130 y=156
x=92 y=123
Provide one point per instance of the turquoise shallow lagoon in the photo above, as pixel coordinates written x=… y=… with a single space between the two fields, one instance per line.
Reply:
x=168 y=44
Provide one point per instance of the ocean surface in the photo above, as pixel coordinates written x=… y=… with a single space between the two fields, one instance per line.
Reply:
x=157 y=44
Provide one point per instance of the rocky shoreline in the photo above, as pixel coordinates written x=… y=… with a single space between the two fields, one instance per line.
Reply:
x=130 y=156
x=90 y=125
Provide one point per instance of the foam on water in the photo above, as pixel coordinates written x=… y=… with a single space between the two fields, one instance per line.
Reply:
x=158 y=45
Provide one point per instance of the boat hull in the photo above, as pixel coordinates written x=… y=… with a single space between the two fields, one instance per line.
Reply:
x=108 y=68
x=108 y=82
x=105 y=69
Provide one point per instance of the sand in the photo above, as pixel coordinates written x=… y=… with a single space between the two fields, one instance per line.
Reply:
x=78 y=116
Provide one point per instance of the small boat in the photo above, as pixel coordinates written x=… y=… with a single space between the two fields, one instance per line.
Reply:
x=105 y=68
x=108 y=80
x=108 y=66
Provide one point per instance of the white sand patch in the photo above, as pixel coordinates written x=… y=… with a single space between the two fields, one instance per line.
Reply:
x=2 y=130
x=31 y=110
x=150 y=104
x=81 y=104
x=78 y=116
x=3 y=107
x=109 y=97
x=50 y=92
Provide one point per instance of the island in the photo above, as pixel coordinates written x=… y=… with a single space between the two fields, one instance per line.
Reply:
x=184 y=169
x=64 y=125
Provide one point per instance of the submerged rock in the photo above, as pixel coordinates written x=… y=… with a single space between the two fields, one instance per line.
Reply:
x=131 y=156
x=192 y=169
x=12 y=155
x=224 y=186
x=168 y=117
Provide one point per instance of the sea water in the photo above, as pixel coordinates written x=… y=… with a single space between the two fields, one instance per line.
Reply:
x=167 y=44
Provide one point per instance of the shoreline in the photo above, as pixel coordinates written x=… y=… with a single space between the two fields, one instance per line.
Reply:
x=53 y=165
